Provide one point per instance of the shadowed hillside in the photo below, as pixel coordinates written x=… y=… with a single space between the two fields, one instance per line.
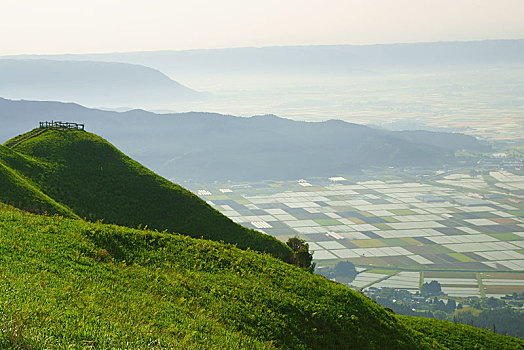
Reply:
x=210 y=146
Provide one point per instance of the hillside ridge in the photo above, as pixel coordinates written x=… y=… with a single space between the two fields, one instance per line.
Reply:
x=353 y=59
x=87 y=174
x=209 y=146
x=102 y=84
x=15 y=141
x=20 y=191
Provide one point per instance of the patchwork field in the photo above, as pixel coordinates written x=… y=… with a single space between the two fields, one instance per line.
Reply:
x=394 y=224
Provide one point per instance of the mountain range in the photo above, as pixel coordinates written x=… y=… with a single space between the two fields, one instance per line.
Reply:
x=101 y=84
x=210 y=146
x=314 y=60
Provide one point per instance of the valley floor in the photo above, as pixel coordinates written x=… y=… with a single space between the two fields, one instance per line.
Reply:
x=461 y=228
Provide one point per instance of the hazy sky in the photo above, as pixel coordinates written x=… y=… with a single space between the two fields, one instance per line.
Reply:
x=71 y=26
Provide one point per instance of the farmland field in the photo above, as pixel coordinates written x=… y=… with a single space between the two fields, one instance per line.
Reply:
x=396 y=224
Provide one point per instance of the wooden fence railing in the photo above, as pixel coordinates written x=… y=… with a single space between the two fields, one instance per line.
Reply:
x=61 y=125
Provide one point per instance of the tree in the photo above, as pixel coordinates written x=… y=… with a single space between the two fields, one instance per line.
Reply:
x=451 y=305
x=345 y=269
x=431 y=288
x=301 y=255
x=440 y=305
x=296 y=243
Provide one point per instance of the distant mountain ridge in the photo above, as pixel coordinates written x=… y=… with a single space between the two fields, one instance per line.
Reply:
x=103 y=84
x=208 y=146
x=322 y=59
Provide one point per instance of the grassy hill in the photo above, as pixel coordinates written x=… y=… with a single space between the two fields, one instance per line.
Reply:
x=72 y=282
x=459 y=336
x=19 y=191
x=66 y=282
x=81 y=171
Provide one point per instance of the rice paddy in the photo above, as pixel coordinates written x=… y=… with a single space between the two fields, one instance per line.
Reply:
x=458 y=223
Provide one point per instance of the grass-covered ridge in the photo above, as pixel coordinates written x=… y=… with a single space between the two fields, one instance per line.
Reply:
x=84 y=172
x=461 y=337
x=70 y=282
x=20 y=191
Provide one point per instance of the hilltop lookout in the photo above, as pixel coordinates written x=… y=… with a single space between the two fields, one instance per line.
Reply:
x=61 y=125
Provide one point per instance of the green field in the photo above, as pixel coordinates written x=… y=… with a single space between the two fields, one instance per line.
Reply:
x=327 y=222
x=461 y=257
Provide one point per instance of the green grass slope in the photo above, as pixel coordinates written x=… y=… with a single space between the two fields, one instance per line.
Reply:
x=71 y=283
x=87 y=174
x=461 y=337
x=17 y=190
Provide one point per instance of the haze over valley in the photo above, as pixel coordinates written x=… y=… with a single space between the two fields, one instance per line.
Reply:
x=207 y=146
x=472 y=87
